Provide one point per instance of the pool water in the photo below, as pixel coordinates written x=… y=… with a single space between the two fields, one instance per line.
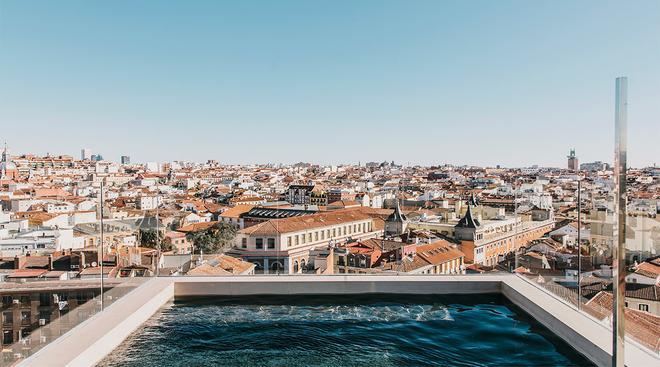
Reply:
x=373 y=330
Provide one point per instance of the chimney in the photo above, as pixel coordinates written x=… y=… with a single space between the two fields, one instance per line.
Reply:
x=50 y=262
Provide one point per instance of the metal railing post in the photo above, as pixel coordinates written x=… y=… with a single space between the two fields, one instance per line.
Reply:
x=102 y=252
x=619 y=250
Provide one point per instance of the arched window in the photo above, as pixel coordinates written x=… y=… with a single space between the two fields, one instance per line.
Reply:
x=295 y=266
x=302 y=265
x=276 y=266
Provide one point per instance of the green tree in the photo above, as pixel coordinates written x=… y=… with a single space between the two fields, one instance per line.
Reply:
x=150 y=238
x=198 y=239
x=215 y=239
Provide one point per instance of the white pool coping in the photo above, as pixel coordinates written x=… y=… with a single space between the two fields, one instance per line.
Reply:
x=92 y=340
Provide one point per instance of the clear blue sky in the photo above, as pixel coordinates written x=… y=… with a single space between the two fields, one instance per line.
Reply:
x=466 y=82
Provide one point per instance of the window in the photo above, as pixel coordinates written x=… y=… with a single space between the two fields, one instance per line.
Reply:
x=644 y=307
x=259 y=243
x=45 y=299
x=244 y=242
x=296 y=240
x=25 y=317
x=304 y=238
x=8 y=318
x=7 y=337
x=295 y=266
x=288 y=241
x=45 y=315
x=7 y=301
x=25 y=300
x=309 y=237
x=271 y=243
x=316 y=236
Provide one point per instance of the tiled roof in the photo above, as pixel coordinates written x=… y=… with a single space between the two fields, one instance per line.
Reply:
x=195 y=227
x=439 y=252
x=642 y=326
x=236 y=211
x=343 y=203
x=307 y=222
x=648 y=269
x=27 y=273
x=222 y=265
x=407 y=264
x=175 y=234
x=650 y=292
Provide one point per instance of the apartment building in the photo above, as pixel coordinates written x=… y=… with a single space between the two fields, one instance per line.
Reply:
x=300 y=193
x=284 y=244
x=148 y=202
x=483 y=242
x=380 y=255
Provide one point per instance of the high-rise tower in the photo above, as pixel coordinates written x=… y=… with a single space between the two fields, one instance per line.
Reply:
x=572 y=160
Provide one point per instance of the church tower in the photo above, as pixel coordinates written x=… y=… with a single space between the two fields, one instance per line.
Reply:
x=396 y=223
x=8 y=170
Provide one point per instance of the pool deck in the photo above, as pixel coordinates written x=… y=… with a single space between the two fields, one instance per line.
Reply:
x=92 y=340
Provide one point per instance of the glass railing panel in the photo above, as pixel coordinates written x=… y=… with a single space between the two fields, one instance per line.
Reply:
x=72 y=305
x=574 y=261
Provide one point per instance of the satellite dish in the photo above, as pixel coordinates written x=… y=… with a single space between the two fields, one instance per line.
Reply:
x=94 y=263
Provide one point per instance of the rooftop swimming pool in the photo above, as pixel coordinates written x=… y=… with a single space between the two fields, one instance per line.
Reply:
x=355 y=330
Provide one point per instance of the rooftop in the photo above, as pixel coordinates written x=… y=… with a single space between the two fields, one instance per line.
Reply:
x=92 y=340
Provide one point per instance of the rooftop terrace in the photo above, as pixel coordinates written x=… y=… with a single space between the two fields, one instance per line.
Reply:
x=93 y=339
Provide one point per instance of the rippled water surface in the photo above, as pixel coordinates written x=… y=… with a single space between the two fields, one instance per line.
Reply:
x=348 y=331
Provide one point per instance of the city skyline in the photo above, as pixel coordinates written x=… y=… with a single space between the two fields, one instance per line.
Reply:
x=329 y=183
x=508 y=83
x=91 y=155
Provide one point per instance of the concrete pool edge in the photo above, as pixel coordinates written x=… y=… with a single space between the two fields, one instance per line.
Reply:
x=90 y=342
